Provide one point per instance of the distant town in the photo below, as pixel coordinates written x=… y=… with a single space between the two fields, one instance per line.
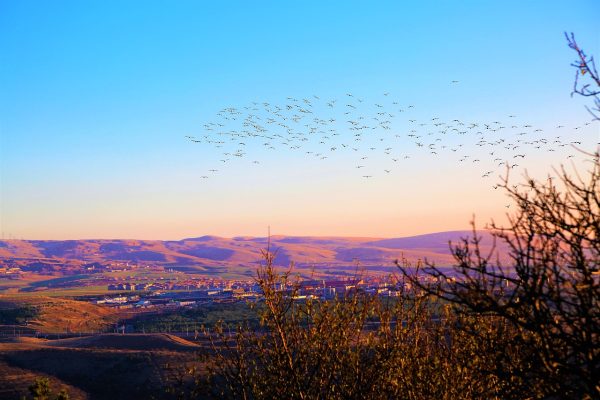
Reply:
x=201 y=291
x=146 y=286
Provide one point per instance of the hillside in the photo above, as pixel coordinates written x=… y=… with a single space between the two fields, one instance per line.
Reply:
x=213 y=254
x=97 y=367
x=47 y=314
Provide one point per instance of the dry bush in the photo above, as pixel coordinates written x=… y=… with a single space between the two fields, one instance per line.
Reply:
x=355 y=346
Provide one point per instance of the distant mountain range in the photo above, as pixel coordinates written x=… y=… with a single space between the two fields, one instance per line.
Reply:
x=214 y=254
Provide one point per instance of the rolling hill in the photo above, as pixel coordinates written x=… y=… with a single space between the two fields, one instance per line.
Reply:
x=212 y=254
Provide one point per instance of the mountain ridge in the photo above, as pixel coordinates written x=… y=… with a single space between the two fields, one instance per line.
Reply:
x=214 y=251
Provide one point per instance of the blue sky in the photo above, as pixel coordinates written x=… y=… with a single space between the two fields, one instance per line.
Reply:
x=96 y=98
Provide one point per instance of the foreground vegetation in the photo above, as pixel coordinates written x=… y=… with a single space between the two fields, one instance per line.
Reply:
x=527 y=330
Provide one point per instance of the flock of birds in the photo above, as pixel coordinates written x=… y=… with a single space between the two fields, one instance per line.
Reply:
x=378 y=135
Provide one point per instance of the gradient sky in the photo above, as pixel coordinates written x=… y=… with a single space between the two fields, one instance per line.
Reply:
x=96 y=98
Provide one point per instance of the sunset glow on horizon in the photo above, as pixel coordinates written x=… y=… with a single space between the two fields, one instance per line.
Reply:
x=104 y=112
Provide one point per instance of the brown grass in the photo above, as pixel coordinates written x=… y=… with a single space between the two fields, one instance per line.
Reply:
x=14 y=383
x=108 y=366
x=62 y=315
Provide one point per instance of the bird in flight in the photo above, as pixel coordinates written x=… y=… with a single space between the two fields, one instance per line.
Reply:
x=375 y=132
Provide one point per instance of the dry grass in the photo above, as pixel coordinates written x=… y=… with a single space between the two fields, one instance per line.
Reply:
x=14 y=383
x=116 y=341
x=62 y=315
x=104 y=366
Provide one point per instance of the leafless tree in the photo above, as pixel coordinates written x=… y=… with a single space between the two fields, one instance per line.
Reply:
x=549 y=290
x=585 y=70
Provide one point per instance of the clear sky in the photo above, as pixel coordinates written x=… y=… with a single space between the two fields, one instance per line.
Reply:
x=96 y=99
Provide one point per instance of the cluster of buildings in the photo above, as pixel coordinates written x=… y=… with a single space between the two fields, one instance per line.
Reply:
x=177 y=298
x=192 y=284
x=193 y=293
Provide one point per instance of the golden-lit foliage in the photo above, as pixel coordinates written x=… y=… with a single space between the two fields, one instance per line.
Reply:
x=355 y=346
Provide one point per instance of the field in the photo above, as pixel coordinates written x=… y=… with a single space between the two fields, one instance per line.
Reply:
x=110 y=366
